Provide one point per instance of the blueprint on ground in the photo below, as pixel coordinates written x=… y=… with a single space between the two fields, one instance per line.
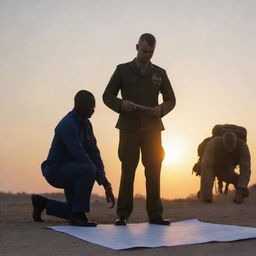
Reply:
x=185 y=232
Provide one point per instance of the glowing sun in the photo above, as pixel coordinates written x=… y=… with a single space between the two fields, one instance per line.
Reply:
x=173 y=153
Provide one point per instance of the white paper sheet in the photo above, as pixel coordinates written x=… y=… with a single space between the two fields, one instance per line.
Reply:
x=149 y=235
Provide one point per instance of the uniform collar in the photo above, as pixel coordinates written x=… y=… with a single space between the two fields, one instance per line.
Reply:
x=134 y=65
x=139 y=65
x=78 y=117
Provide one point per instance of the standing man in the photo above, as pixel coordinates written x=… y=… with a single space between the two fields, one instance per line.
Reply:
x=73 y=163
x=140 y=125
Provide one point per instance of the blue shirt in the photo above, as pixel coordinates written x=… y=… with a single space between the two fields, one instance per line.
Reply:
x=74 y=141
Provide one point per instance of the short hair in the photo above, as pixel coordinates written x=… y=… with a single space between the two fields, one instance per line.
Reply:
x=229 y=141
x=82 y=95
x=149 y=38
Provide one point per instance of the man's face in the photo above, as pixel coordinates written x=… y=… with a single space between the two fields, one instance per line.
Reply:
x=144 y=52
x=86 y=107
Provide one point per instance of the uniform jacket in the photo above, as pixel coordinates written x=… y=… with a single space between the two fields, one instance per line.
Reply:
x=142 y=89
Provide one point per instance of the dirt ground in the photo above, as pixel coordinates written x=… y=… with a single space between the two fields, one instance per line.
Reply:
x=19 y=235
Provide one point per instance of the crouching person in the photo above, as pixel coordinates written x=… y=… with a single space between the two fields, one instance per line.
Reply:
x=73 y=164
x=220 y=158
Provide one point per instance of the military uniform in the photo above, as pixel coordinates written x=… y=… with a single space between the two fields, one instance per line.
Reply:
x=139 y=131
x=216 y=161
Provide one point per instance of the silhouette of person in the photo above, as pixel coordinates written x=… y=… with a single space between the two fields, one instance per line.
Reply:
x=73 y=164
x=220 y=158
x=140 y=125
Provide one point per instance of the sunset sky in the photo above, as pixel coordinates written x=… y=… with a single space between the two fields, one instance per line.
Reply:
x=50 y=49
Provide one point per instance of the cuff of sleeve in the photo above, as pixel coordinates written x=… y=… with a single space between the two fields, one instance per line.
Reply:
x=162 y=112
x=102 y=180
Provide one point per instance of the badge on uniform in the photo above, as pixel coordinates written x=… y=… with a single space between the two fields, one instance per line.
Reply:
x=156 y=79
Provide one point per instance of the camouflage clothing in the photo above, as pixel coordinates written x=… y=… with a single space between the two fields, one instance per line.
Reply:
x=216 y=161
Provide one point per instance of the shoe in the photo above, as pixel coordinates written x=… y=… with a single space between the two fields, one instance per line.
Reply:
x=208 y=201
x=81 y=220
x=160 y=221
x=81 y=223
x=122 y=221
x=39 y=204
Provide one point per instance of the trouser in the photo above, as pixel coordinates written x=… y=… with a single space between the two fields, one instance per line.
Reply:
x=227 y=174
x=223 y=172
x=77 y=180
x=130 y=145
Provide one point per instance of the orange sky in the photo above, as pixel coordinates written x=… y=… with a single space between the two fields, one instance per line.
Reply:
x=49 y=51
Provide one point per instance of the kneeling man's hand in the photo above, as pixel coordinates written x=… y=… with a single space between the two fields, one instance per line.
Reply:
x=109 y=195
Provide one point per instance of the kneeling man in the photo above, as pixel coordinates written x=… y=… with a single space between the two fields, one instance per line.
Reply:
x=73 y=164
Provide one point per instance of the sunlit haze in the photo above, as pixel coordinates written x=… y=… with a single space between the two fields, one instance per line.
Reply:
x=174 y=151
x=52 y=49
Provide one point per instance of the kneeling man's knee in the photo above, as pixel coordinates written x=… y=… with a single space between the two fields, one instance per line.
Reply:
x=89 y=170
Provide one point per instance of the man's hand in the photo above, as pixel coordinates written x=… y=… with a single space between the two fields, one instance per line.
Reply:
x=155 y=111
x=128 y=105
x=109 y=195
x=238 y=196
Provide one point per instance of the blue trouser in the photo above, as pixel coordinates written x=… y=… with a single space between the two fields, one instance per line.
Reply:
x=77 y=180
